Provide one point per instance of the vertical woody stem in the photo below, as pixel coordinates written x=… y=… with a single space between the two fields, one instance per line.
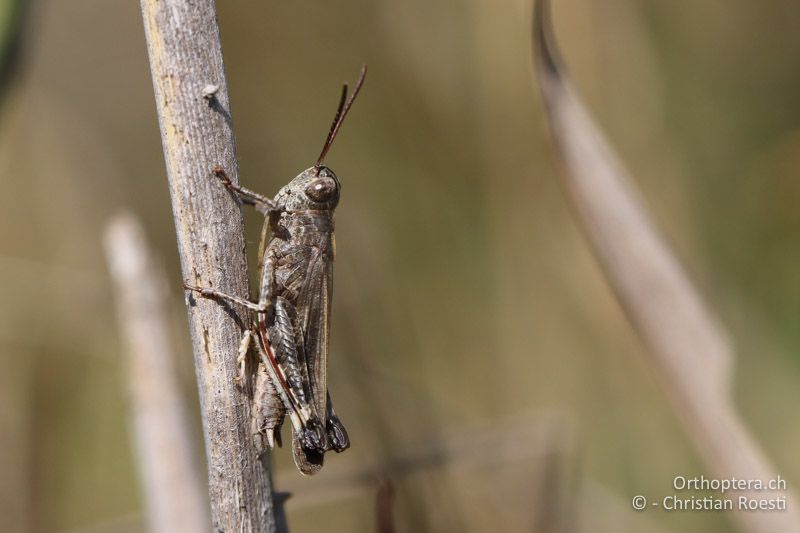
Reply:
x=196 y=132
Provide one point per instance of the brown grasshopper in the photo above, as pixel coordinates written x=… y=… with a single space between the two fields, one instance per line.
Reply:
x=291 y=321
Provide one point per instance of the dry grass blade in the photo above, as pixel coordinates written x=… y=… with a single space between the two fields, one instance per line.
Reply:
x=173 y=490
x=689 y=349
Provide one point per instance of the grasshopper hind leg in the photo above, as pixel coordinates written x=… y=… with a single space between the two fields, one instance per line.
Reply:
x=313 y=436
x=286 y=340
x=268 y=411
x=337 y=435
x=310 y=460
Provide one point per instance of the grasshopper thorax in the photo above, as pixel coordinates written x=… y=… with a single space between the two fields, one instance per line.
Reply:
x=316 y=188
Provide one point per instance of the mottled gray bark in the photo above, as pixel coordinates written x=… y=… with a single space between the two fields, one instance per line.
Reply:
x=193 y=112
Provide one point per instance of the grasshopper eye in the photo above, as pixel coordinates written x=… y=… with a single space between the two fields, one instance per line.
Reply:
x=321 y=190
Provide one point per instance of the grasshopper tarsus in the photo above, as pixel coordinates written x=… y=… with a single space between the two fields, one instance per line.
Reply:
x=220 y=173
x=337 y=435
x=241 y=358
x=314 y=437
x=274 y=437
x=205 y=292
x=262 y=204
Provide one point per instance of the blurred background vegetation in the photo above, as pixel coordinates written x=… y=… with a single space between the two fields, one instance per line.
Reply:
x=468 y=308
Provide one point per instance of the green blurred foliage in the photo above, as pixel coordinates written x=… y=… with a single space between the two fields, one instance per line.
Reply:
x=466 y=296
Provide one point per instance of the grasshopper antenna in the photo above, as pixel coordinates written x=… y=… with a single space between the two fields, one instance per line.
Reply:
x=345 y=104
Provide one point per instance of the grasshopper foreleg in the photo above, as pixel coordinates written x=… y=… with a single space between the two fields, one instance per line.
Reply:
x=262 y=204
x=207 y=292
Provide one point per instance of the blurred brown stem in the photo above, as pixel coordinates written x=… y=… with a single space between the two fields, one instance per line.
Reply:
x=185 y=61
x=384 y=507
x=688 y=346
x=174 y=492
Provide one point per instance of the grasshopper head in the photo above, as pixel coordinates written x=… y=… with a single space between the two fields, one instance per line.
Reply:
x=315 y=188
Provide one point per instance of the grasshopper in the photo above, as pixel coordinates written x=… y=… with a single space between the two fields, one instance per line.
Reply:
x=290 y=325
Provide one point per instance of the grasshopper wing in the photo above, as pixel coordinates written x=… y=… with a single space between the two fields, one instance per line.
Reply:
x=315 y=301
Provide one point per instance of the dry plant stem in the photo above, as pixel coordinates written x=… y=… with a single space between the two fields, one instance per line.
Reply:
x=185 y=60
x=689 y=349
x=173 y=490
x=384 y=507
